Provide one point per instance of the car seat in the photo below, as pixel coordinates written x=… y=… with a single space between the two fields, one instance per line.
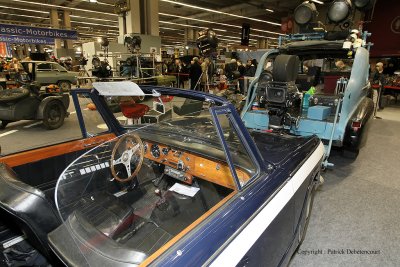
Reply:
x=189 y=108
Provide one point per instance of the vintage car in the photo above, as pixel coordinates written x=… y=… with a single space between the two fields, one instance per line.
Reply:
x=310 y=90
x=52 y=73
x=179 y=181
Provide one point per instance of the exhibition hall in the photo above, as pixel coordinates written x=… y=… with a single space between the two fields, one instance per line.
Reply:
x=199 y=133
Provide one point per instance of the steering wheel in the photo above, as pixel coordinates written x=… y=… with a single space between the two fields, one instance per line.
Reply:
x=128 y=150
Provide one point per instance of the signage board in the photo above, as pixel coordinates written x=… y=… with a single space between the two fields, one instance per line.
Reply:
x=26 y=40
x=19 y=30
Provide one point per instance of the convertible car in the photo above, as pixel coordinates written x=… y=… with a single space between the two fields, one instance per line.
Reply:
x=318 y=85
x=177 y=181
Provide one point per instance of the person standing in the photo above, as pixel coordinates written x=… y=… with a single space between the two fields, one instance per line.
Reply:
x=242 y=71
x=379 y=78
x=250 y=68
x=204 y=75
x=195 y=74
x=178 y=73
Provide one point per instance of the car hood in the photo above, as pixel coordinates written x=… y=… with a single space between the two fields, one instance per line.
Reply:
x=73 y=72
x=278 y=149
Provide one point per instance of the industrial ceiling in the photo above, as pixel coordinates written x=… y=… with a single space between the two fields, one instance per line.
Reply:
x=92 y=20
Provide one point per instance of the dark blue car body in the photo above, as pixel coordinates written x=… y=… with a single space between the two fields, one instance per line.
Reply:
x=260 y=224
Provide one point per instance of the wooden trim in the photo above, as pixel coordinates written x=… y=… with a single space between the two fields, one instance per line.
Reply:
x=160 y=251
x=55 y=150
x=216 y=172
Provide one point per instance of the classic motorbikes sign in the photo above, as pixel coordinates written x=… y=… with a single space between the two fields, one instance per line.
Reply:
x=37 y=32
x=26 y=40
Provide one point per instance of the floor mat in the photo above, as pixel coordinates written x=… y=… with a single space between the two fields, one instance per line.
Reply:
x=149 y=238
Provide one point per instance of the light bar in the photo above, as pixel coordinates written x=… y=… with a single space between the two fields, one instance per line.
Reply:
x=190 y=26
x=219 y=23
x=63 y=7
x=269 y=10
x=172 y=29
x=23 y=9
x=26 y=16
x=96 y=24
x=80 y=17
x=220 y=12
x=318 y=2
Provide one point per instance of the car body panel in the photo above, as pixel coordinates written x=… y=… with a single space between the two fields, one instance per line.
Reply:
x=355 y=101
x=258 y=221
x=52 y=73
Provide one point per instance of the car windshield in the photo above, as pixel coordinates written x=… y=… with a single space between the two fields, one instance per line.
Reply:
x=139 y=190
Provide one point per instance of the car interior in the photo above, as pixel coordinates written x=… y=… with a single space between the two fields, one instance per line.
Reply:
x=175 y=184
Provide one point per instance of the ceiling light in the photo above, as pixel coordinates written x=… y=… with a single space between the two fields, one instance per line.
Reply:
x=92 y=1
x=90 y=23
x=318 y=2
x=220 y=12
x=26 y=16
x=269 y=10
x=190 y=26
x=23 y=9
x=99 y=19
x=339 y=10
x=219 y=23
x=172 y=29
x=63 y=7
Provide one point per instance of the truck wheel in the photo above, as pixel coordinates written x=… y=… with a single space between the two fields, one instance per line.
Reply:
x=3 y=124
x=65 y=86
x=53 y=115
x=350 y=153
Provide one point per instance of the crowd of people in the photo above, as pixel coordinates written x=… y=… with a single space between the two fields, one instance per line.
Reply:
x=202 y=72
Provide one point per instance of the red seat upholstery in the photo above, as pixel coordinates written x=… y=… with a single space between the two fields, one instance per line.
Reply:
x=132 y=110
x=165 y=98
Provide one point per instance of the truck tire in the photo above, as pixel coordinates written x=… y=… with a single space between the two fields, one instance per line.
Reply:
x=53 y=115
x=350 y=153
x=10 y=95
x=3 y=124
x=65 y=86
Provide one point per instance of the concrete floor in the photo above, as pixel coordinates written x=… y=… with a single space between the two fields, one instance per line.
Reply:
x=357 y=208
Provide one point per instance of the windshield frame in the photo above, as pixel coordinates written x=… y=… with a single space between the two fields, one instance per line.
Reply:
x=218 y=106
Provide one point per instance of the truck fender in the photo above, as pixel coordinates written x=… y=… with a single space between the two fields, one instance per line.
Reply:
x=63 y=99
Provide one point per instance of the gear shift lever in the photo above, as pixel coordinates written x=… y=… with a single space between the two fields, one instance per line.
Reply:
x=162 y=203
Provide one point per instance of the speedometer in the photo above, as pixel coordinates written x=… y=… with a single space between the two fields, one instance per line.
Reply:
x=155 y=151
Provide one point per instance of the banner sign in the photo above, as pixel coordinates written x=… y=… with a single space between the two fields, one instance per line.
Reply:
x=26 y=40
x=37 y=32
x=245 y=38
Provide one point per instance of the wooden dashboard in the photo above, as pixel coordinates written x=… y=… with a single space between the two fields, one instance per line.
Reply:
x=193 y=165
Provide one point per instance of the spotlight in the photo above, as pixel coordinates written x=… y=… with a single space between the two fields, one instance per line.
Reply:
x=207 y=42
x=133 y=42
x=104 y=42
x=339 y=10
x=305 y=13
x=363 y=4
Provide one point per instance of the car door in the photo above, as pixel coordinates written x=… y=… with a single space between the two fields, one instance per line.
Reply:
x=41 y=165
x=45 y=73
x=60 y=72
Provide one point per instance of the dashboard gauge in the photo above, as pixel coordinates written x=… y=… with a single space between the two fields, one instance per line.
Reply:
x=165 y=151
x=155 y=151
x=145 y=146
